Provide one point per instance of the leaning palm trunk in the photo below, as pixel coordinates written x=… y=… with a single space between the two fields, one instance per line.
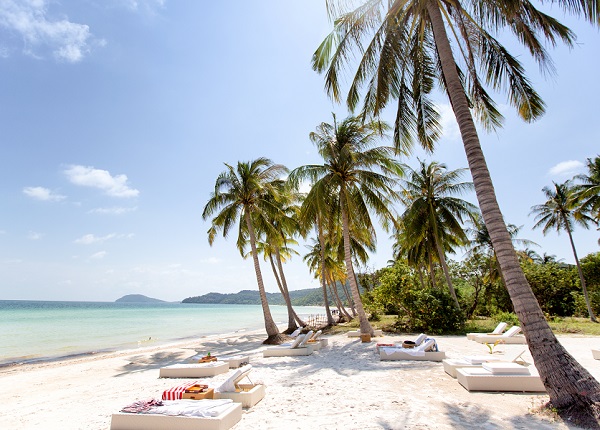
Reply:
x=349 y=299
x=445 y=269
x=286 y=292
x=572 y=389
x=582 y=279
x=291 y=320
x=365 y=326
x=270 y=326
x=323 y=281
x=338 y=301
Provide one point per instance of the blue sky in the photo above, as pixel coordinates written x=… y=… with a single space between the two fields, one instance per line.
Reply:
x=117 y=117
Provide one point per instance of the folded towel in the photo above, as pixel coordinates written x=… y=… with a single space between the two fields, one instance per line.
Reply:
x=175 y=393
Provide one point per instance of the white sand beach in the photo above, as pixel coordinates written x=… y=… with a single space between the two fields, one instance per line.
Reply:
x=342 y=386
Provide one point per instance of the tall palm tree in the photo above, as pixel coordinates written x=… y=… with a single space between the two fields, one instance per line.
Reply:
x=557 y=214
x=242 y=193
x=433 y=211
x=405 y=48
x=587 y=194
x=361 y=175
x=480 y=243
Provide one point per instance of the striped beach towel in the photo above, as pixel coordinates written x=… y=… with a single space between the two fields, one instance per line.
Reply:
x=175 y=393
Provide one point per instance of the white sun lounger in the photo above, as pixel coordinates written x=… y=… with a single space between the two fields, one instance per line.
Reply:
x=297 y=347
x=317 y=342
x=246 y=394
x=500 y=377
x=419 y=353
x=418 y=341
x=509 y=337
x=234 y=361
x=356 y=333
x=225 y=414
x=194 y=370
x=476 y=361
x=498 y=330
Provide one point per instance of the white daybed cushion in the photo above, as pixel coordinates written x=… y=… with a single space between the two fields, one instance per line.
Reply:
x=208 y=415
x=500 y=368
x=194 y=370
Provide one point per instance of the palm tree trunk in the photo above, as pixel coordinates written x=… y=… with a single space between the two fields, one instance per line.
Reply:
x=585 y=292
x=365 y=326
x=349 y=299
x=442 y=256
x=323 y=282
x=431 y=270
x=291 y=321
x=339 y=304
x=286 y=292
x=572 y=389
x=270 y=326
x=420 y=271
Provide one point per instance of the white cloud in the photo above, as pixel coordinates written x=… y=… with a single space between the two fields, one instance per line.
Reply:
x=114 y=186
x=113 y=210
x=89 y=239
x=448 y=122
x=30 y=19
x=566 y=168
x=211 y=260
x=44 y=194
x=34 y=236
x=98 y=255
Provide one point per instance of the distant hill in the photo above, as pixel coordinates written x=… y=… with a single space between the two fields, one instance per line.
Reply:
x=138 y=298
x=308 y=297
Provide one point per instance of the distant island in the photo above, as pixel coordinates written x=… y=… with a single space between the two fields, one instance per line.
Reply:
x=138 y=298
x=307 y=297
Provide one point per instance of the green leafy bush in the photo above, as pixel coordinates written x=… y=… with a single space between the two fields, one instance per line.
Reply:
x=419 y=309
x=507 y=317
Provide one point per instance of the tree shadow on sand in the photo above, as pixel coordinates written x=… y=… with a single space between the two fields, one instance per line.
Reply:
x=140 y=363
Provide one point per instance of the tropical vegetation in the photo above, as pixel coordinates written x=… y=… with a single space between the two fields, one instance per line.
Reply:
x=405 y=49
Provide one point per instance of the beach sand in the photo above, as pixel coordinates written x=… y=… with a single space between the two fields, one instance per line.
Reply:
x=342 y=386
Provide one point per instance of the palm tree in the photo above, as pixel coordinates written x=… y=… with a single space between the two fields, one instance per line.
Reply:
x=246 y=192
x=433 y=212
x=360 y=175
x=587 y=194
x=557 y=214
x=480 y=243
x=404 y=48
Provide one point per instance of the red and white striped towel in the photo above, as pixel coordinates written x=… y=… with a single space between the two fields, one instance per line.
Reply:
x=175 y=393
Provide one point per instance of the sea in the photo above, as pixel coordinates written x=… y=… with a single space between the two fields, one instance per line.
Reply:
x=32 y=331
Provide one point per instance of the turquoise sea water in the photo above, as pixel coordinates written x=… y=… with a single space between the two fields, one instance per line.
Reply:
x=40 y=330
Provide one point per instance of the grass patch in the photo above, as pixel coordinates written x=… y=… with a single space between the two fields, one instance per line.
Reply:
x=567 y=325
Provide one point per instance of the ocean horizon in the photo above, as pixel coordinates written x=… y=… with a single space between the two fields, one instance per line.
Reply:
x=38 y=330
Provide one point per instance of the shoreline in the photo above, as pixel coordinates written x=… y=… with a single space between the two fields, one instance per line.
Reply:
x=344 y=385
x=53 y=331
x=160 y=344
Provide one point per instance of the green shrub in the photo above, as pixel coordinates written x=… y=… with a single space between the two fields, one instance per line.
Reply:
x=419 y=309
x=507 y=317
